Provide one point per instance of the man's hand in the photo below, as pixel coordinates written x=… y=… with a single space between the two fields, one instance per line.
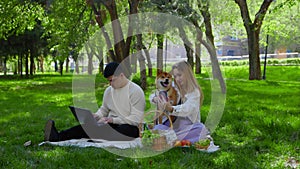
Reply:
x=109 y=120
x=105 y=120
x=96 y=116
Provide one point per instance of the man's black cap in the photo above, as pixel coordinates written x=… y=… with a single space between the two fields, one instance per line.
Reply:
x=110 y=69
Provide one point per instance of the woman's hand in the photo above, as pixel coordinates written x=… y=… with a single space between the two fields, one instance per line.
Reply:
x=155 y=99
x=168 y=107
x=164 y=105
x=161 y=103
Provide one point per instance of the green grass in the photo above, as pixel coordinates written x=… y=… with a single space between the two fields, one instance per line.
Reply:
x=259 y=128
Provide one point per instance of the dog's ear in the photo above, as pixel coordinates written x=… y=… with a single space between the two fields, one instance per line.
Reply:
x=159 y=71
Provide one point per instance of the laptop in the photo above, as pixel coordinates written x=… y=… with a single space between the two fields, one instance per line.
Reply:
x=83 y=116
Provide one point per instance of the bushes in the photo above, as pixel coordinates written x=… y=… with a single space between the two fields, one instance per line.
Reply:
x=287 y=61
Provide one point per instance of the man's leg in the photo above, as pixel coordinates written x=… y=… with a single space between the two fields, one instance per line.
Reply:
x=127 y=130
x=113 y=132
x=76 y=132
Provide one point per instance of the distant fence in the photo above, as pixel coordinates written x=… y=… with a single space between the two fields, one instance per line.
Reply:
x=262 y=56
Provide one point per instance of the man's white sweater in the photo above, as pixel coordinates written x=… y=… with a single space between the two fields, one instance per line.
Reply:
x=125 y=105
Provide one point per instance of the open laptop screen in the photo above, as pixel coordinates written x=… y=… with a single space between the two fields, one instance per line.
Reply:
x=83 y=116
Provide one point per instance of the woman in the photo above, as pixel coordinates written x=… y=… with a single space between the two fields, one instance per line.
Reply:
x=187 y=125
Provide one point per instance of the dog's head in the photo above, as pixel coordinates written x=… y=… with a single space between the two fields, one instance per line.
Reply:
x=163 y=81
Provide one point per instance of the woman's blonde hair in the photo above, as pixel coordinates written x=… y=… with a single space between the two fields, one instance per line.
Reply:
x=186 y=69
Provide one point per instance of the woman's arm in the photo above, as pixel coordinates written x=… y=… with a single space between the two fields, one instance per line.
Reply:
x=190 y=107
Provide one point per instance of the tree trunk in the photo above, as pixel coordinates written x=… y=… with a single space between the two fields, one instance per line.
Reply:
x=61 y=67
x=26 y=64
x=90 y=64
x=16 y=67
x=160 y=58
x=142 y=63
x=33 y=54
x=198 y=56
x=121 y=48
x=148 y=60
x=5 y=66
x=101 y=67
x=32 y=65
x=41 y=64
x=101 y=60
x=187 y=45
x=99 y=20
x=55 y=65
x=133 y=61
x=253 y=30
x=209 y=44
x=189 y=54
x=76 y=66
x=20 y=66
x=133 y=9
x=119 y=43
x=67 y=64
x=90 y=52
x=254 y=60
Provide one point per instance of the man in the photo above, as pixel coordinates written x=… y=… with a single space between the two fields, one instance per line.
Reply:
x=118 y=118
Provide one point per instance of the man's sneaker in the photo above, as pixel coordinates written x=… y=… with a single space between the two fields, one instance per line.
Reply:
x=51 y=133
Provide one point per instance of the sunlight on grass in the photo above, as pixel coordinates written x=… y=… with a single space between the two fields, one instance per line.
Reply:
x=54 y=154
x=10 y=117
x=225 y=158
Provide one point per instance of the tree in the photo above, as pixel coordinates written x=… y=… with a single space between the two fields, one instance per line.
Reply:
x=253 y=31
x=184 y=10
x=121 y=47
x=68 y=26
x=18 y=16
x=209 y=43
x=20 y=28
x=282 y=23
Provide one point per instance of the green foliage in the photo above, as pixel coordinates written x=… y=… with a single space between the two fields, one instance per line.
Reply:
x=69 y=26
x=148 y=137
x=18 y=16
x=282 y=23
x=203 y=142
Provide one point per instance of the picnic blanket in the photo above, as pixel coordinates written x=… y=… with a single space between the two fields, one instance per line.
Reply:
x=112 y=144
x=97 y=143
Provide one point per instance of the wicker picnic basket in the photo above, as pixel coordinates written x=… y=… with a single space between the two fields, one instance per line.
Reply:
x=162 y=139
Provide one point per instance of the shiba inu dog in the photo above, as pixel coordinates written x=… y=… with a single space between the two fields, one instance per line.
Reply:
x=164 y=85
x=165 y=88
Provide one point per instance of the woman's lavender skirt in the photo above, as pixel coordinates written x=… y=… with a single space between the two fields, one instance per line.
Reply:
x=185 y=129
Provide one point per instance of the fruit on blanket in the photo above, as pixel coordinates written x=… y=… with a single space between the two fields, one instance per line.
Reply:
x=202 y=144
x=185 y=143
x=177 y=143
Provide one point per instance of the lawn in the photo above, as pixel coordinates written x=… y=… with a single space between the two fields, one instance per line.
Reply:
x=259 y=128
